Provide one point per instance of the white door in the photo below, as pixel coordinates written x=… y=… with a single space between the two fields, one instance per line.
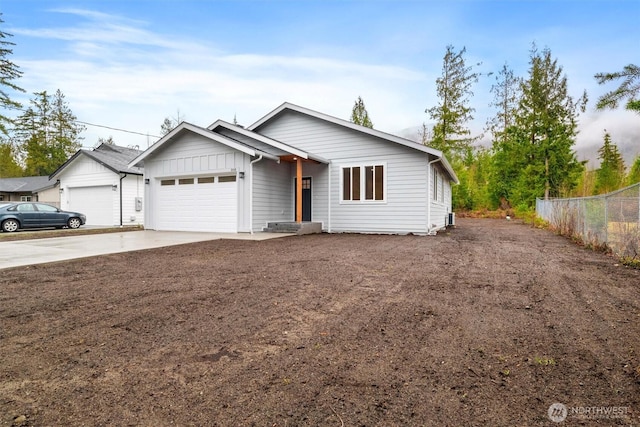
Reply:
x=197 y=204
x=97 y=203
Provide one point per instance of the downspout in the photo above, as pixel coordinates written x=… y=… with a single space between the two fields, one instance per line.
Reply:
x=329 y=210
x=429 y=196
x=251 y=191
x=121 y=178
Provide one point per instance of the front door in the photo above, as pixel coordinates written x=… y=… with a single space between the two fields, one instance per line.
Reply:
x=306 y=198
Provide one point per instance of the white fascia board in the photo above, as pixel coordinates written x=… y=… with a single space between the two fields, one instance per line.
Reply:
x=184 y=126
x=266 y=140
x=363 y=129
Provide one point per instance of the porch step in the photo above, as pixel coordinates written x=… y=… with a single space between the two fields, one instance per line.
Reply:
x=298 y=228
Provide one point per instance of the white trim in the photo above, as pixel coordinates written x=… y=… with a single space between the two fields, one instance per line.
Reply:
x=363 y=184
x=373 y=132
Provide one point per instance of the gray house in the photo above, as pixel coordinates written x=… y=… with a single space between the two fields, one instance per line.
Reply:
x=294 y=164
x=29 y=189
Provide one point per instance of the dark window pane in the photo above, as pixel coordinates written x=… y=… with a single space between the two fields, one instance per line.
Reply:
x=231 y=178
x=346 y=184
x=368 y=188
x=168 y=182
x=185 y=181
x=355 y=177
x=206 y=180
x=379 y=183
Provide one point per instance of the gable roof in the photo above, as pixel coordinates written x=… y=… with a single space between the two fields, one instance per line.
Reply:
x=268 y=143
x=253 y=144
x=287 y=106
x=26 y=184
x=113 y=157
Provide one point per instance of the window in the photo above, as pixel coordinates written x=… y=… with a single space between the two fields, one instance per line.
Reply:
x=206 y=180
x=363 y=180
x=168 y=182
x=231 y=178
x=46 y=208
x=25 y=198
x=26 y=208
x=1 y=197
x=185 y=181
x=438 y=186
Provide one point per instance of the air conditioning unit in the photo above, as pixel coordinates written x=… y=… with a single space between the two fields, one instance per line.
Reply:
x=450 y=219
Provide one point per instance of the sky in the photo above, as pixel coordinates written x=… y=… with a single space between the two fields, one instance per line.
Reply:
x=127 y=65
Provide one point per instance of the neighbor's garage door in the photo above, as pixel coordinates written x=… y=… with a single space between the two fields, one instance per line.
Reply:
x=197 y=204
x=95 y=202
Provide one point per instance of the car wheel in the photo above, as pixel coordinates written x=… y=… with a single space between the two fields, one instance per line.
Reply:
x=10 y=225
x=74 y=223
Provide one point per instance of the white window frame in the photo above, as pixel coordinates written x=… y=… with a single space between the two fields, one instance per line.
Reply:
x=363 y=183
x=25 y=198
x=437 y=186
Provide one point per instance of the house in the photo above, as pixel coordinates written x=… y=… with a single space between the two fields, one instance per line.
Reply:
x=352 y=179
x=100 y=184
x=28 y=189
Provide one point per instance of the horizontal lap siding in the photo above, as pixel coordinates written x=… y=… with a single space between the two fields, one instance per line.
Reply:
x=132 y=187
x=272 y=193
x=405 y=209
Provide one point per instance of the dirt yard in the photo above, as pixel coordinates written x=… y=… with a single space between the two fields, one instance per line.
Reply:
x=487 y=324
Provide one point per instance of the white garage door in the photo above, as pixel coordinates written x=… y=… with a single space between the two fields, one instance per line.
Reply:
x=197 y=204
x=95 y=202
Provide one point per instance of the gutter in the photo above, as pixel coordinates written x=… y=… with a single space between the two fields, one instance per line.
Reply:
x=251 y=191
x=121 y=178
x=430 y=231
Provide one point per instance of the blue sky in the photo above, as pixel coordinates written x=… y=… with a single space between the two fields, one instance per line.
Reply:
x=129 y=64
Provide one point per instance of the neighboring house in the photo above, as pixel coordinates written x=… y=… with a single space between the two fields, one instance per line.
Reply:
x=100 y=184
x=354 y=179
x=29 y=189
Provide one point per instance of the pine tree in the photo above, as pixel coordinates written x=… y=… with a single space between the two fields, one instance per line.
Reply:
x=629 y=88
x=450 y=132
x=544 y=134
x=9 y=168
x=611 y=174
x=506 y=92
x=359 y=114
x=9 y=72
x=48 y=133
x=634 y=172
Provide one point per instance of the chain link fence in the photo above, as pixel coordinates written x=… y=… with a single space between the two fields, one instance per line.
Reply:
x=611 y=220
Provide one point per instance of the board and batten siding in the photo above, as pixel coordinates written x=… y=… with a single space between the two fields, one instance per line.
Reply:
x=405 y=207
x=195 y=155
x=132 y=187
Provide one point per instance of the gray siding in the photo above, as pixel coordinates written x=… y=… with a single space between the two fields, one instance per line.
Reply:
x=191 y=155
x=405 y=207
x=272 y=193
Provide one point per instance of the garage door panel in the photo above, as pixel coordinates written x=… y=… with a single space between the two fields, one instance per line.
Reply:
x=95 y=202
x=198 y=207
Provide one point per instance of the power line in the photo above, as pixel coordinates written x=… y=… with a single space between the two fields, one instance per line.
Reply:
x=117 y=129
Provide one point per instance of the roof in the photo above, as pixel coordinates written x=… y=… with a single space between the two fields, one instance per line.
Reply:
x=111 y=156
x=26 y=184
x=287 y=106
x=247 y=142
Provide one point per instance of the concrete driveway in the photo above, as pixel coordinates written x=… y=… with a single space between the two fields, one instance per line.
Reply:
x=38 y=251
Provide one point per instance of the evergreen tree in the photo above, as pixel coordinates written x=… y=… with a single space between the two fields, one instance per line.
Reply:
x=170 y=123
x=450 y=132
x=9 y=72
x=611 y=174
x=544 y=134
x=629 y=88
x=9 y=168
x=359 y=114
x=506 y=92
x=48 y=133
x=634 y=172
